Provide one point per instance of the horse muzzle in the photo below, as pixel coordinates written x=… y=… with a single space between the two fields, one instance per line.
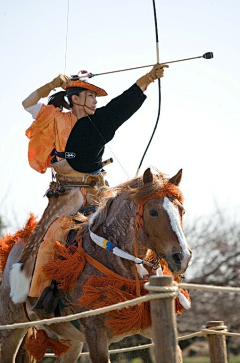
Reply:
x=179 y=262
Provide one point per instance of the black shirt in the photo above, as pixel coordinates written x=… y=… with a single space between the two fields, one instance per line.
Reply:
x=91 y=133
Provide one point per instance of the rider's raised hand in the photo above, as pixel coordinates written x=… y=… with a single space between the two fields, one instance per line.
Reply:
x=60 y=81
x=156 y=72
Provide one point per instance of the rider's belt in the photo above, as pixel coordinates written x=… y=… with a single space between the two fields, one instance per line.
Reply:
x=63 y=154
x=88 y=180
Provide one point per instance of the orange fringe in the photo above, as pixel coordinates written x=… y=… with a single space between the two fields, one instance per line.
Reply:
x=67 y=266
x=38 y=343
x=7 y=242
x=99 y=292
x=168 y=190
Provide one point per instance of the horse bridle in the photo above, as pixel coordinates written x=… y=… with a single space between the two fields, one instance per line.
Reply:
x=159 y=256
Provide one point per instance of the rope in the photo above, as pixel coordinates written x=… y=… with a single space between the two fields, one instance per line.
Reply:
x=115 y=351
x=166 y=292
x=204 y=332
x=216 y=330
x=163 y=292
x=235 y=290
x=164 y=289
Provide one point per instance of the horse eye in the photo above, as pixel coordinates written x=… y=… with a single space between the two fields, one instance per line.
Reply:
x=153 y=212
x=181 y=211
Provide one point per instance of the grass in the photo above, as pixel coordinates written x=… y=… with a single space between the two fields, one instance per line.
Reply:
x=231 y=359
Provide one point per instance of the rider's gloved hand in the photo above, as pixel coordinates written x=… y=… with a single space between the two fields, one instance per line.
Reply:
x=61 y=81
x=156 y=72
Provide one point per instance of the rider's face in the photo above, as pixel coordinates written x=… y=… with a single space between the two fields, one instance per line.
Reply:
x=88 y=99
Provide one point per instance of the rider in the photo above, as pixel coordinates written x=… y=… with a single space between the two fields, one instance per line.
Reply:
x=72 y=143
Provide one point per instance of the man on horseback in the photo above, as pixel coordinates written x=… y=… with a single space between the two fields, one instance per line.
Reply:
x=72 y=144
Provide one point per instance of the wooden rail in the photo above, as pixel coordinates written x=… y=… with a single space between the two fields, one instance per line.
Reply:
x=164 y=327
x=164 y=324
x=217 y=343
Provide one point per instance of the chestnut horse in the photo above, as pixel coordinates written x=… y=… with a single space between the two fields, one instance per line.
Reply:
x=157 y=203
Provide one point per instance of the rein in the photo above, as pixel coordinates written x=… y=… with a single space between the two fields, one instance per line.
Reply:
x=168 y=190
x=109 y=246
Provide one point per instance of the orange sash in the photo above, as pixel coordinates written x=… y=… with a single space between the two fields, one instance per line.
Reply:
x=50 y=130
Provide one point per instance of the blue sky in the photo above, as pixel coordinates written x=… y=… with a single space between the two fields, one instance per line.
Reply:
x=199 y=124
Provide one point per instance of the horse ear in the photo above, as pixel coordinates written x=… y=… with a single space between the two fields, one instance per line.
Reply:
x=176 y=179
x=147 y=176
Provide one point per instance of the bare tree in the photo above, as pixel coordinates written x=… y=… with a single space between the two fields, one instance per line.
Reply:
x=2 y=226
x=216 y=245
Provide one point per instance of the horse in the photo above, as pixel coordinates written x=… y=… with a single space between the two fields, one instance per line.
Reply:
x=155 y=203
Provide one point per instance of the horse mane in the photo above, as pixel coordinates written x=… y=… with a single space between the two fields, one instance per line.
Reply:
x=133 y=189
x=138 y=191
x=100 y=217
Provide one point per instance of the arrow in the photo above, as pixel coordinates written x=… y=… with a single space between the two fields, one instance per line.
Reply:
x=208 y=55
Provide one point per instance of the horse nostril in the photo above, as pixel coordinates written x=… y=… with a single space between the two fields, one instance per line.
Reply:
x=177 y=258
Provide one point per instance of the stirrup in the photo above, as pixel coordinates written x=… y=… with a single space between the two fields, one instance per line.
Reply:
x=48 y=301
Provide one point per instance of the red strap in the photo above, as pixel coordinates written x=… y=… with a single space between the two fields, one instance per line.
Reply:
x=108 y=272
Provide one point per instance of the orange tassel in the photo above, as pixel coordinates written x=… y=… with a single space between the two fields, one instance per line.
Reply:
x=67 y=266
x=135 y=318
x=7 y=242
x=99 y=292
x=105 y=291
x=38 y=343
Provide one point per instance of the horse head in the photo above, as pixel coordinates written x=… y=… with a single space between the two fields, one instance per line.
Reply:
x=160 y=206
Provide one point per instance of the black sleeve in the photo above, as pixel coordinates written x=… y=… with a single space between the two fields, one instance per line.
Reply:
x=109 y=118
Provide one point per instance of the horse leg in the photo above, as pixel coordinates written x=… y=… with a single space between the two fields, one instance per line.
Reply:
x=68 y=331
x=179 y=354
x=22 y=355
x=10 y=313
x=11 y=340
x=97 y=340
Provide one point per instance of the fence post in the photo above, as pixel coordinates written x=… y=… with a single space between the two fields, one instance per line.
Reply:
x=164 y=325
x=217 y=343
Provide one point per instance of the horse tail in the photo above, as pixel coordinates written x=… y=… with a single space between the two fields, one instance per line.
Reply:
x=9 y=240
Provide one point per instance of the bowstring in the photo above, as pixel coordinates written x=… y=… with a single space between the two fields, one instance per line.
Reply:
x=105 y=143
x=66 y=38
x=88 y=116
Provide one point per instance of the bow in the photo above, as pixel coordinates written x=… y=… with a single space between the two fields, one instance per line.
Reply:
x=159 y=89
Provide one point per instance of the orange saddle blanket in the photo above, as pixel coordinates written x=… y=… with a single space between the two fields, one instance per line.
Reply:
x=58 y=231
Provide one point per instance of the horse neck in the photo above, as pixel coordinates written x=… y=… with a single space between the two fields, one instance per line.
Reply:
x=116 y=224
x=119 y=225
